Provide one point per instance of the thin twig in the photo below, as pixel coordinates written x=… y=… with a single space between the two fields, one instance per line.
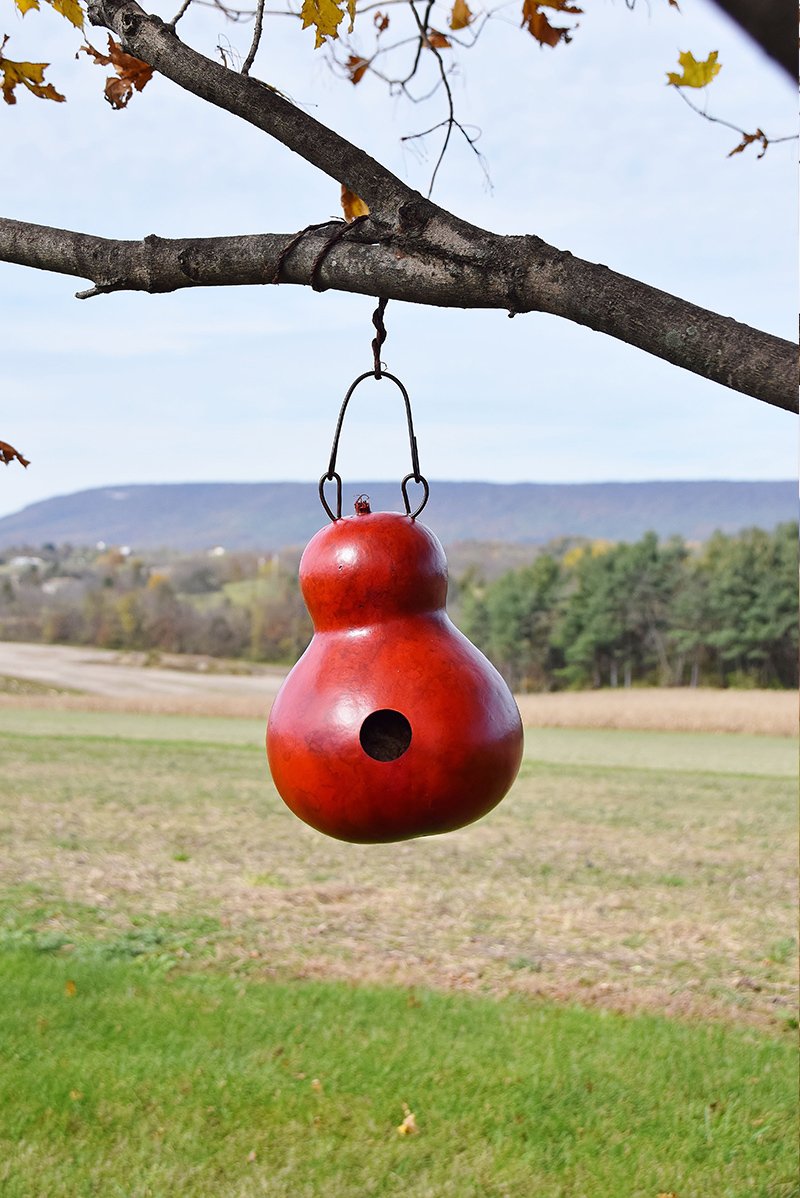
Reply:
x=248 y=62
x=747 y=138
x=450 y=122
x=183 y=8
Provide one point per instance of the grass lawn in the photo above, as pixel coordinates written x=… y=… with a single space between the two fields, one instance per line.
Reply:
x=590 y=993
x=123 y=1081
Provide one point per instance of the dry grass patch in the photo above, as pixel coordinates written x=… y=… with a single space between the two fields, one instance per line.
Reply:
x=110 y=681
x=665 y=709
x=770 y=713
x=635 y=888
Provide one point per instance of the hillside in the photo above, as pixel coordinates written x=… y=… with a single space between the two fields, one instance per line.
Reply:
x=191 y=516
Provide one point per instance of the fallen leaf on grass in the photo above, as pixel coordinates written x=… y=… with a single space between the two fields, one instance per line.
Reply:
x=70 y=989
x=409 y=1125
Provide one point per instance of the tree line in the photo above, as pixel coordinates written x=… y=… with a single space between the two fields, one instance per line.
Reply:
x=661 y=613
x=582 y=614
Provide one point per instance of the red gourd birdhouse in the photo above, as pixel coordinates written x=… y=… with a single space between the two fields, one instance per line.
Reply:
x=392 y=724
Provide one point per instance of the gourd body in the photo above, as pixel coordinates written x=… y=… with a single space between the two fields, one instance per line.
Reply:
x=392 y=724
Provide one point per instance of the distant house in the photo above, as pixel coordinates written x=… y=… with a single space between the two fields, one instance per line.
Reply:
x=23 y=562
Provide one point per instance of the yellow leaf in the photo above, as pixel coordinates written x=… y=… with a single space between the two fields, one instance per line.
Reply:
x=695 y=74
x=26 y=5
x=409 y=1125
x=352 y=205
x=325 y=16
x=461 y=16
x=351 y=12
x=70 y=9
x=70 y=989
x=76 y=1095
x=29 y=74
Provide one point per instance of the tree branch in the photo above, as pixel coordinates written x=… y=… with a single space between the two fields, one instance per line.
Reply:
x=422 y=263
x=409 y=249
x=771 y=23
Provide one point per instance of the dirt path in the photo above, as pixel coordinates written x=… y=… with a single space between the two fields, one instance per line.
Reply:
x=100 y=672
x=111 y=681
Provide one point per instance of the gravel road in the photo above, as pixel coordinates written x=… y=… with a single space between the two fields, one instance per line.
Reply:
x=106 y=673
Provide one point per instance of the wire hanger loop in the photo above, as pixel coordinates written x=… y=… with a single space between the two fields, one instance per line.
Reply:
x=331 y=474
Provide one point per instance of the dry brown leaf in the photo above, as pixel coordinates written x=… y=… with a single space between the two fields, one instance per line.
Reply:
x=461 y=16
x=356 y=68
x=437 y=40
x=131 y=73
x=70 y=989
x=381 y=22
x=748 y=139
x=538 y=25
x=352 y=205
x=8 y=454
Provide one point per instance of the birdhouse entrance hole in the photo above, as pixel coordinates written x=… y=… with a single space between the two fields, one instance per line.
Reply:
x=385 y=735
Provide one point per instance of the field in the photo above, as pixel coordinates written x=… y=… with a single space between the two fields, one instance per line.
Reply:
x=589 y=993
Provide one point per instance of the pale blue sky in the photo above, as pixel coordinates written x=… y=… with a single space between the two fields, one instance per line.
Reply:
x=586 y=147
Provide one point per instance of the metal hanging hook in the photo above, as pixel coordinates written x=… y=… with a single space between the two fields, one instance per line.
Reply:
x=332 y=476
x=380 y=336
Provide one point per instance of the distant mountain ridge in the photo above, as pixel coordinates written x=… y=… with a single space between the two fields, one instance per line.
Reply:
x=271 y=515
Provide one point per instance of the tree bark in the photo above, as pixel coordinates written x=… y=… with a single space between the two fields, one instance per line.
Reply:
x=518 y=274
x=770 y=23
x=407 y=249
